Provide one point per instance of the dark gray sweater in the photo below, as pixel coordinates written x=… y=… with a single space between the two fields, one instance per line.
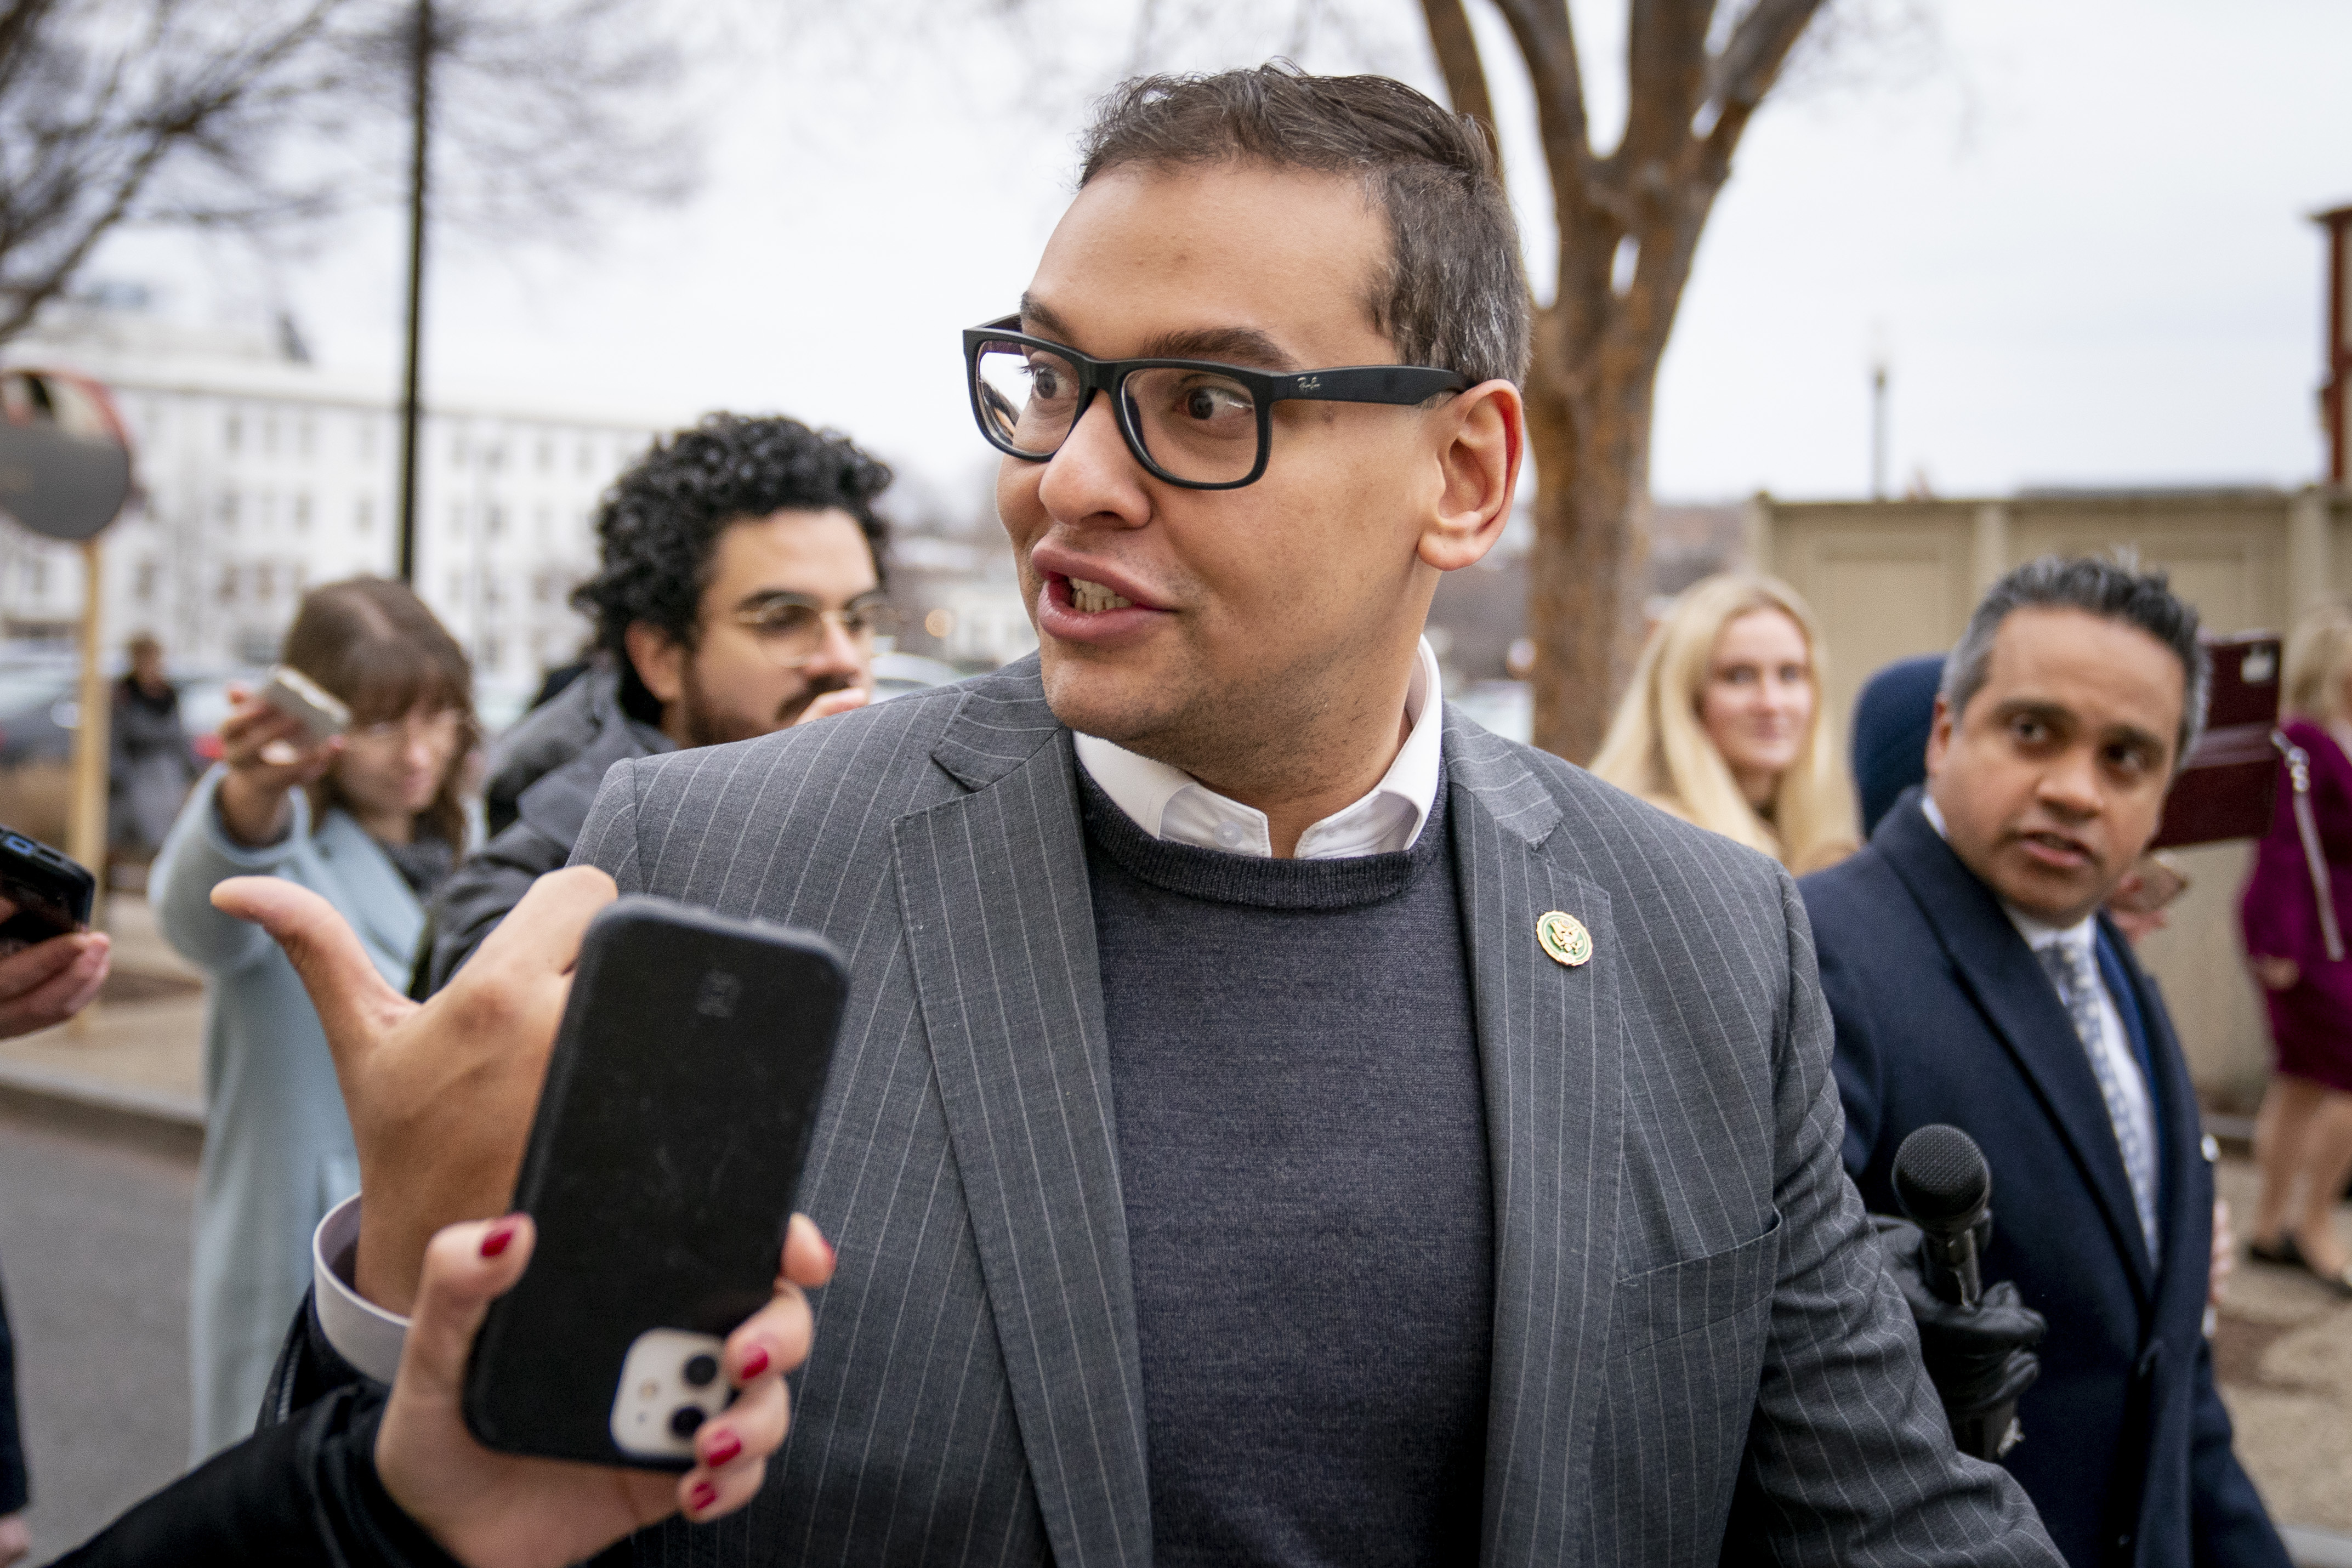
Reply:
x=1303 y=1155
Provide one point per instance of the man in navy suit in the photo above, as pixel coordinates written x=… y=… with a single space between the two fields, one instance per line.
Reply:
x=1973 y=981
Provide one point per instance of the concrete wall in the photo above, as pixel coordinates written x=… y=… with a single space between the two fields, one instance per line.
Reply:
x=1891 y=579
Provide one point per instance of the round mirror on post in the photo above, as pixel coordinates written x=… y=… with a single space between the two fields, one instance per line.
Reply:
x=65 y=462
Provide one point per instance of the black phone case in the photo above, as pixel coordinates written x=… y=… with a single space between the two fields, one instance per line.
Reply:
x=662 y=1162
x=53 y=893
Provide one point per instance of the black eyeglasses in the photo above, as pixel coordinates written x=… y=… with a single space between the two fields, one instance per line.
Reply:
x=1194 y=422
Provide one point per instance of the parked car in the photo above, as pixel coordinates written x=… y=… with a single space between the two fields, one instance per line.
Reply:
x=40 y=708
x=37 y=711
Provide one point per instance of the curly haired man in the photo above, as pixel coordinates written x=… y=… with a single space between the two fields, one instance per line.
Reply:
x=738 y=589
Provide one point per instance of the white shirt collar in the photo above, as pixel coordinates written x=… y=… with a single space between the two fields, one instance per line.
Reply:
x=2038 y=934
x=1171 y=805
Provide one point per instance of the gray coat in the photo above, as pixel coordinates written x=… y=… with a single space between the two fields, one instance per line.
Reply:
x=543 y=776
x=1694 y=1344
x=278 y=1147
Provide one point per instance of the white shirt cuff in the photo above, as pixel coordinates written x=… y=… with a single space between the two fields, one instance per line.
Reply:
x=363 y=1334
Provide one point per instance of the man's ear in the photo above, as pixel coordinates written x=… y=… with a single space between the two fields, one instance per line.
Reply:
x=1939 y=737
x=1482 y=439
x=659 y=659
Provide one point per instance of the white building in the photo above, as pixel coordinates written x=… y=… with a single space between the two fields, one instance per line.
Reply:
x=260 y=474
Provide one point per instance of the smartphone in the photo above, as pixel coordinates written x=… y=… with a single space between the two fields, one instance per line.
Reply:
x=293 y=693
x=52 y=892
x=661 y=1171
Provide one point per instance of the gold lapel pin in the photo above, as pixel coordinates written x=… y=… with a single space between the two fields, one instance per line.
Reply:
x=1564 y=937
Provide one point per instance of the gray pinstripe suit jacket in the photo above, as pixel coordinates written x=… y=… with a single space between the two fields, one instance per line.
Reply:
x=1695 y=1352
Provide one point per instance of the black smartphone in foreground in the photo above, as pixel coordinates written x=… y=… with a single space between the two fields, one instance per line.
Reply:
x=52 y=892
x=685 y=1080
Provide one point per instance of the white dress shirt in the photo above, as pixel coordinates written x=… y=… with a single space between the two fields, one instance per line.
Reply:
x=1165 y=802
x=363 y=1334
x=1172 y=805
x=2115 y=1042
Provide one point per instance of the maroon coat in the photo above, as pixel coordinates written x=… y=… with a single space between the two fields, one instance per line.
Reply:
x=2311 y=1022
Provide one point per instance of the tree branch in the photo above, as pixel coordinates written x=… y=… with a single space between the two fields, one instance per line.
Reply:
x=1665 y=76
x=1745 y=72
x=1548 y=43
x=27 y=299
x=1456 y=47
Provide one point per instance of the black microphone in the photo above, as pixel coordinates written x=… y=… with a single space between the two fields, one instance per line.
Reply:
x=1946 y=1189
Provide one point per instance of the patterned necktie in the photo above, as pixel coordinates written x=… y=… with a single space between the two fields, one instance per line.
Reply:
x=2077 y=979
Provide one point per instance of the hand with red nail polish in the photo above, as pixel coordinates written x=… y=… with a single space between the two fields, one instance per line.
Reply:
x=491 y=1510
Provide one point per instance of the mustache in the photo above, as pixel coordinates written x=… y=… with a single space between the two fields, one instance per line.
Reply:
x=817 y=686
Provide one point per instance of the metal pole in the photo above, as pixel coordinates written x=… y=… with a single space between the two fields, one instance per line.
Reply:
x=2335 y=396
x=86 y=812
x=1878 y=431
x=86 y=826
x=412 y=413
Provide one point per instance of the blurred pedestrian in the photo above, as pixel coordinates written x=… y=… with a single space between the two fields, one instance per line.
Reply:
x=2303 y=1135
x=1974 y=981
x=39 y=985
x=738 y=591
x=1892 y=716
x=149 y=763
x=1722 y=725
x=371 y=820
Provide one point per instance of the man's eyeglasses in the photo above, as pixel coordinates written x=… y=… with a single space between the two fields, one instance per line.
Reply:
x=1194 y=422
x=790 y=628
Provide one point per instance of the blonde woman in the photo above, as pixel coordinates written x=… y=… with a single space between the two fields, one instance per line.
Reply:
x=2303 y=1136
x=1723 y=723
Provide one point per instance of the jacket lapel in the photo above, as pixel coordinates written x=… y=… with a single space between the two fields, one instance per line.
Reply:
x=1549 y=1049
x=2014 y=992
x=2179 y=1122
x=1000 y=922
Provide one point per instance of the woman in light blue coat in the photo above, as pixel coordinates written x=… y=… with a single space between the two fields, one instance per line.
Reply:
x=371 y=820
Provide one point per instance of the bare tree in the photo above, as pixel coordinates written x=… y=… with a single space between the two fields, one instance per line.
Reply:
x=1629 y=225
x=543 y=104
x=532 y=116
x=115 y=112
x=546 y=115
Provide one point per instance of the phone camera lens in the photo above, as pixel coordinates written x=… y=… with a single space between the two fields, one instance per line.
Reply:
x=701 y=1370
x=685 y=1419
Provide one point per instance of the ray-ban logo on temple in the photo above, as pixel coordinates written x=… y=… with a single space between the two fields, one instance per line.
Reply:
x=1195 y=423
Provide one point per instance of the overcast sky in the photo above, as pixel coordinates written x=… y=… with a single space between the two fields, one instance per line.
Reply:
x=2082 y=231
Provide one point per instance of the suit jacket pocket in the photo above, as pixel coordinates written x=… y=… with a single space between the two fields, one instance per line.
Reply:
x=1684 y=1297
x=1685 y=1354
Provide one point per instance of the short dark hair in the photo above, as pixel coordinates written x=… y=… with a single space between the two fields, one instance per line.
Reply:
x=1453 y=294
x=2114 y=590
x=661 y=520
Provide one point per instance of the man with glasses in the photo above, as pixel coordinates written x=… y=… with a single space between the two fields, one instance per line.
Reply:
x=1273 y=1120
x=738 y=589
